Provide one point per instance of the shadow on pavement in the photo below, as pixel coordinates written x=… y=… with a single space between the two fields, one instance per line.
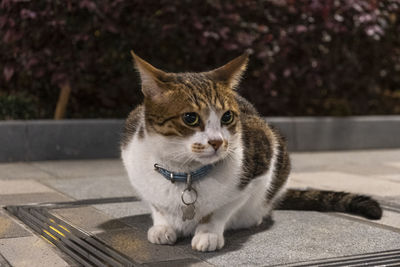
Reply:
x=234 y=239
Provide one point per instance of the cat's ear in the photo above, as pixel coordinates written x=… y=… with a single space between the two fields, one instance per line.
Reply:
x=151 y=77
x=231 y=72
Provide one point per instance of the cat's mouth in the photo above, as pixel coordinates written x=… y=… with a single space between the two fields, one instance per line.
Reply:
x=209 y=157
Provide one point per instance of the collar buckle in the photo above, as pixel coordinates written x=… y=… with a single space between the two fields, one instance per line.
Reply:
x=156 y=167
x=189 y=181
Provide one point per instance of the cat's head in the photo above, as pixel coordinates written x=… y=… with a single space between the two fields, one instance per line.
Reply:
x=196 y=115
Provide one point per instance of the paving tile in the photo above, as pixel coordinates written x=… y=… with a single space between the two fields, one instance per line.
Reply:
x=393 y=201
x=89 y=219
x=10 y=228
x=180 y=263
x=82 y=168
x=142 y=222
x=4 y=262
x=391 y=177
x=19 y=199
x=21 y=170
x=133 y=243
x=119 y=210
x=345 y=182
x=30 y=251
x=299 y=236
x=94 y=187
x=395 y=164
x=389 y=218
x=8 y=187
x=368 y=162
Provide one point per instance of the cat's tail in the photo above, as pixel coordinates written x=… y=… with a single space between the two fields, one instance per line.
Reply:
x=319 y=200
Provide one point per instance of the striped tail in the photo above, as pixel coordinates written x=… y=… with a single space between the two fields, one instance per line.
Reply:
x=319 y=200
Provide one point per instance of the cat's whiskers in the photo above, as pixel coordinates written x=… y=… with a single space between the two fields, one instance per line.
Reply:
x=229 y=156
x=230 y=152
x=177 y=142
x=188 y=159
x=177 y=155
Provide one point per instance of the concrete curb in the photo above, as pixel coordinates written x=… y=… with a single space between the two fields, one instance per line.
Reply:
x=333 y=133
x=84 y=139
x=65 y=139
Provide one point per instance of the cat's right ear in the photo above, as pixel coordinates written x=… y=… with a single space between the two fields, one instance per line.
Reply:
x=232 y=71
x=151 y=77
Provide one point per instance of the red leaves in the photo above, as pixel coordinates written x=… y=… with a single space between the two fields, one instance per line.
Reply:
x=59 y=78
x=245 y=39
x=89 y=5
x=3 y=21
x=11 y=36
x=31 y=62
x=8 y=72
x=27 y=14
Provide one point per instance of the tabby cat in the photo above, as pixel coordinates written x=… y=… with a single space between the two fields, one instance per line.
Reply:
x=205 y=161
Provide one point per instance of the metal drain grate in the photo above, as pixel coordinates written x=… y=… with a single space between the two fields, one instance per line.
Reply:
x=78 y=244
x=383 y=258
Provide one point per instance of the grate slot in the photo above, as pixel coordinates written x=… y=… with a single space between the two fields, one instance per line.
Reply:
x=392 y=265
x=368 y=259
x=380 y=263
x=85 y=202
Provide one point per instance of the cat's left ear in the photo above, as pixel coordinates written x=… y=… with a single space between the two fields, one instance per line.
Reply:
x=232 y=72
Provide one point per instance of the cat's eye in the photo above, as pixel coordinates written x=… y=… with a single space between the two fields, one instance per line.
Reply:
x=227 y=118
x=191 y=118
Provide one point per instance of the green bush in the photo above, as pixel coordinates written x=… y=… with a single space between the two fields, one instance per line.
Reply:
x=315 y=57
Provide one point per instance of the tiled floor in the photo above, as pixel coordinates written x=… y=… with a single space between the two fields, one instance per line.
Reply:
x=292 y=236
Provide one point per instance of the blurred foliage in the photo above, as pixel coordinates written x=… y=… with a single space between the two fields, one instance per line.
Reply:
x=314 y=57
x=17 y=106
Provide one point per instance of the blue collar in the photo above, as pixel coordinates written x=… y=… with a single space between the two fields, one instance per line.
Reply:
x=183 y=176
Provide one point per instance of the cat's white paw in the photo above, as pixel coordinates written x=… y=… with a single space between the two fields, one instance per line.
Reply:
x=161 y=234
x=207 y=241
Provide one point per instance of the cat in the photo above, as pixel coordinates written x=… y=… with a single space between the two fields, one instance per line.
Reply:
x=197 y=124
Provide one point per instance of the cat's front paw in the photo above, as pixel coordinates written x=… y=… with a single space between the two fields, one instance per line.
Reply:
x=161 y=234
x=207 y=242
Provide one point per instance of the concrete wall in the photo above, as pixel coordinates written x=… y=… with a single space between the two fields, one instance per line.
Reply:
x=83 y=139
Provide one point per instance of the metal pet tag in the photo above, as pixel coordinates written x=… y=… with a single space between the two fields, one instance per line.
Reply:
x=188 y=197
x=188 y=212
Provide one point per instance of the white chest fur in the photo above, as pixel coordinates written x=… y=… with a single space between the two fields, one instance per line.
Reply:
x=215 y=190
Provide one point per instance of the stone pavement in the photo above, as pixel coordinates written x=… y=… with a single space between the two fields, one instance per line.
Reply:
x=294 y=238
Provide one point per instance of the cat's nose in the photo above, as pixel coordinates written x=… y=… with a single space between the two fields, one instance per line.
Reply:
x=216 y=143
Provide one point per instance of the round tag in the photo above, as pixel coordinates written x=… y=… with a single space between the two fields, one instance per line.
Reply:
x=189 y=196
